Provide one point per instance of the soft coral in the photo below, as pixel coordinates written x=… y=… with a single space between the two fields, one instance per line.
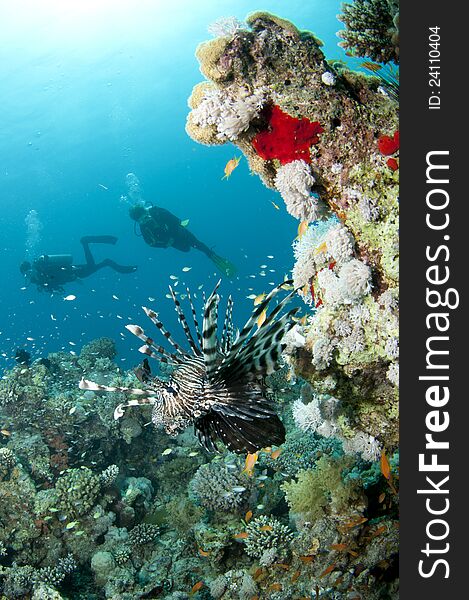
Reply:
x=286 y=137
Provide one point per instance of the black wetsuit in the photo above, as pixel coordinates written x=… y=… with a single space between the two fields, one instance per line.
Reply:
x=52 y=272
x=161 y=229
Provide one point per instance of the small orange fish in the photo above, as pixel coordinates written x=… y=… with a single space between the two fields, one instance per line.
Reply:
x=385 y=467
x=379 y=531
x=250 y=461
x=356 y=522
x=276 y=453
x=259 y=571
x=338 y=547
x=255 y=598
x=321 y=248
x=241 y=536
x=381 y=498
x=302 y=229
x=203 y=552
x=276 y=587
x=231 y=166
x=306 y=559
x=248 y=516
x=283 y=566
x=329 y=569
x=266 y=528
x=196 y=587
x=352 y=553
x=295 y=576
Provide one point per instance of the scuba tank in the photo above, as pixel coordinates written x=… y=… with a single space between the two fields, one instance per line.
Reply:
x=53 y=262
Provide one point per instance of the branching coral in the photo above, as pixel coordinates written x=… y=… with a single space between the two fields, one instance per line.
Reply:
x=372 y=29
x=225 y=26
x=268 y=539
x=144 y=533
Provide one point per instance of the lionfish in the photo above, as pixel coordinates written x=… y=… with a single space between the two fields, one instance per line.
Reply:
x=219 y=385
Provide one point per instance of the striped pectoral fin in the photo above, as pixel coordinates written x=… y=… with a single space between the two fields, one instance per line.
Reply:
x=261 y=354
x=227 y=333
x=85 y=384
x=159 y=352
x=209 y=332
x=194 y=318
x=251 y=323
x=151 y=314
x=119 y=410
x=182 y=320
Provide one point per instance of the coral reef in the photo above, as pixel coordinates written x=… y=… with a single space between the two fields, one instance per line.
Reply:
x=91 y=507
x=320 y=136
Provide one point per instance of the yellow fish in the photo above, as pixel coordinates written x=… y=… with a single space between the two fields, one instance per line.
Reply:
x=231 y=166
x=275 y=205
x=302 y=229
x=251 y=460
x=258 y=299
x=321 y=248
x=373 y=67
x=261 y=318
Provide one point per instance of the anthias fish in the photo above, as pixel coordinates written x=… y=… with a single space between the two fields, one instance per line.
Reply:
x=218 y=386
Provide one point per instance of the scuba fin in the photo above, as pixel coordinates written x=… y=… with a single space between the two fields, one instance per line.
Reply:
x=223 y=265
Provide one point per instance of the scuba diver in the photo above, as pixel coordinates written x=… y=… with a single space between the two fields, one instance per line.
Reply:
x=51 y=271
x=161 y=229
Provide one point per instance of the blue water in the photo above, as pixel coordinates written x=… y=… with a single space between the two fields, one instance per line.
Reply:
x=93 y=90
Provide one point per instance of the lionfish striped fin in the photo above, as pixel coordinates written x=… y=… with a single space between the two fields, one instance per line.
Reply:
x=165 y=356
x=209 y=332
x=185 y=326
x=261 y=354
x=151 y=314
x=194 y=318
x=227 y=333
x=246 y=331
x=85 y=384
x=239 y=435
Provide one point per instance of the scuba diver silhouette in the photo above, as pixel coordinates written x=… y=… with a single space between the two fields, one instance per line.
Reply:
x=49 y=272
x=161 y=229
